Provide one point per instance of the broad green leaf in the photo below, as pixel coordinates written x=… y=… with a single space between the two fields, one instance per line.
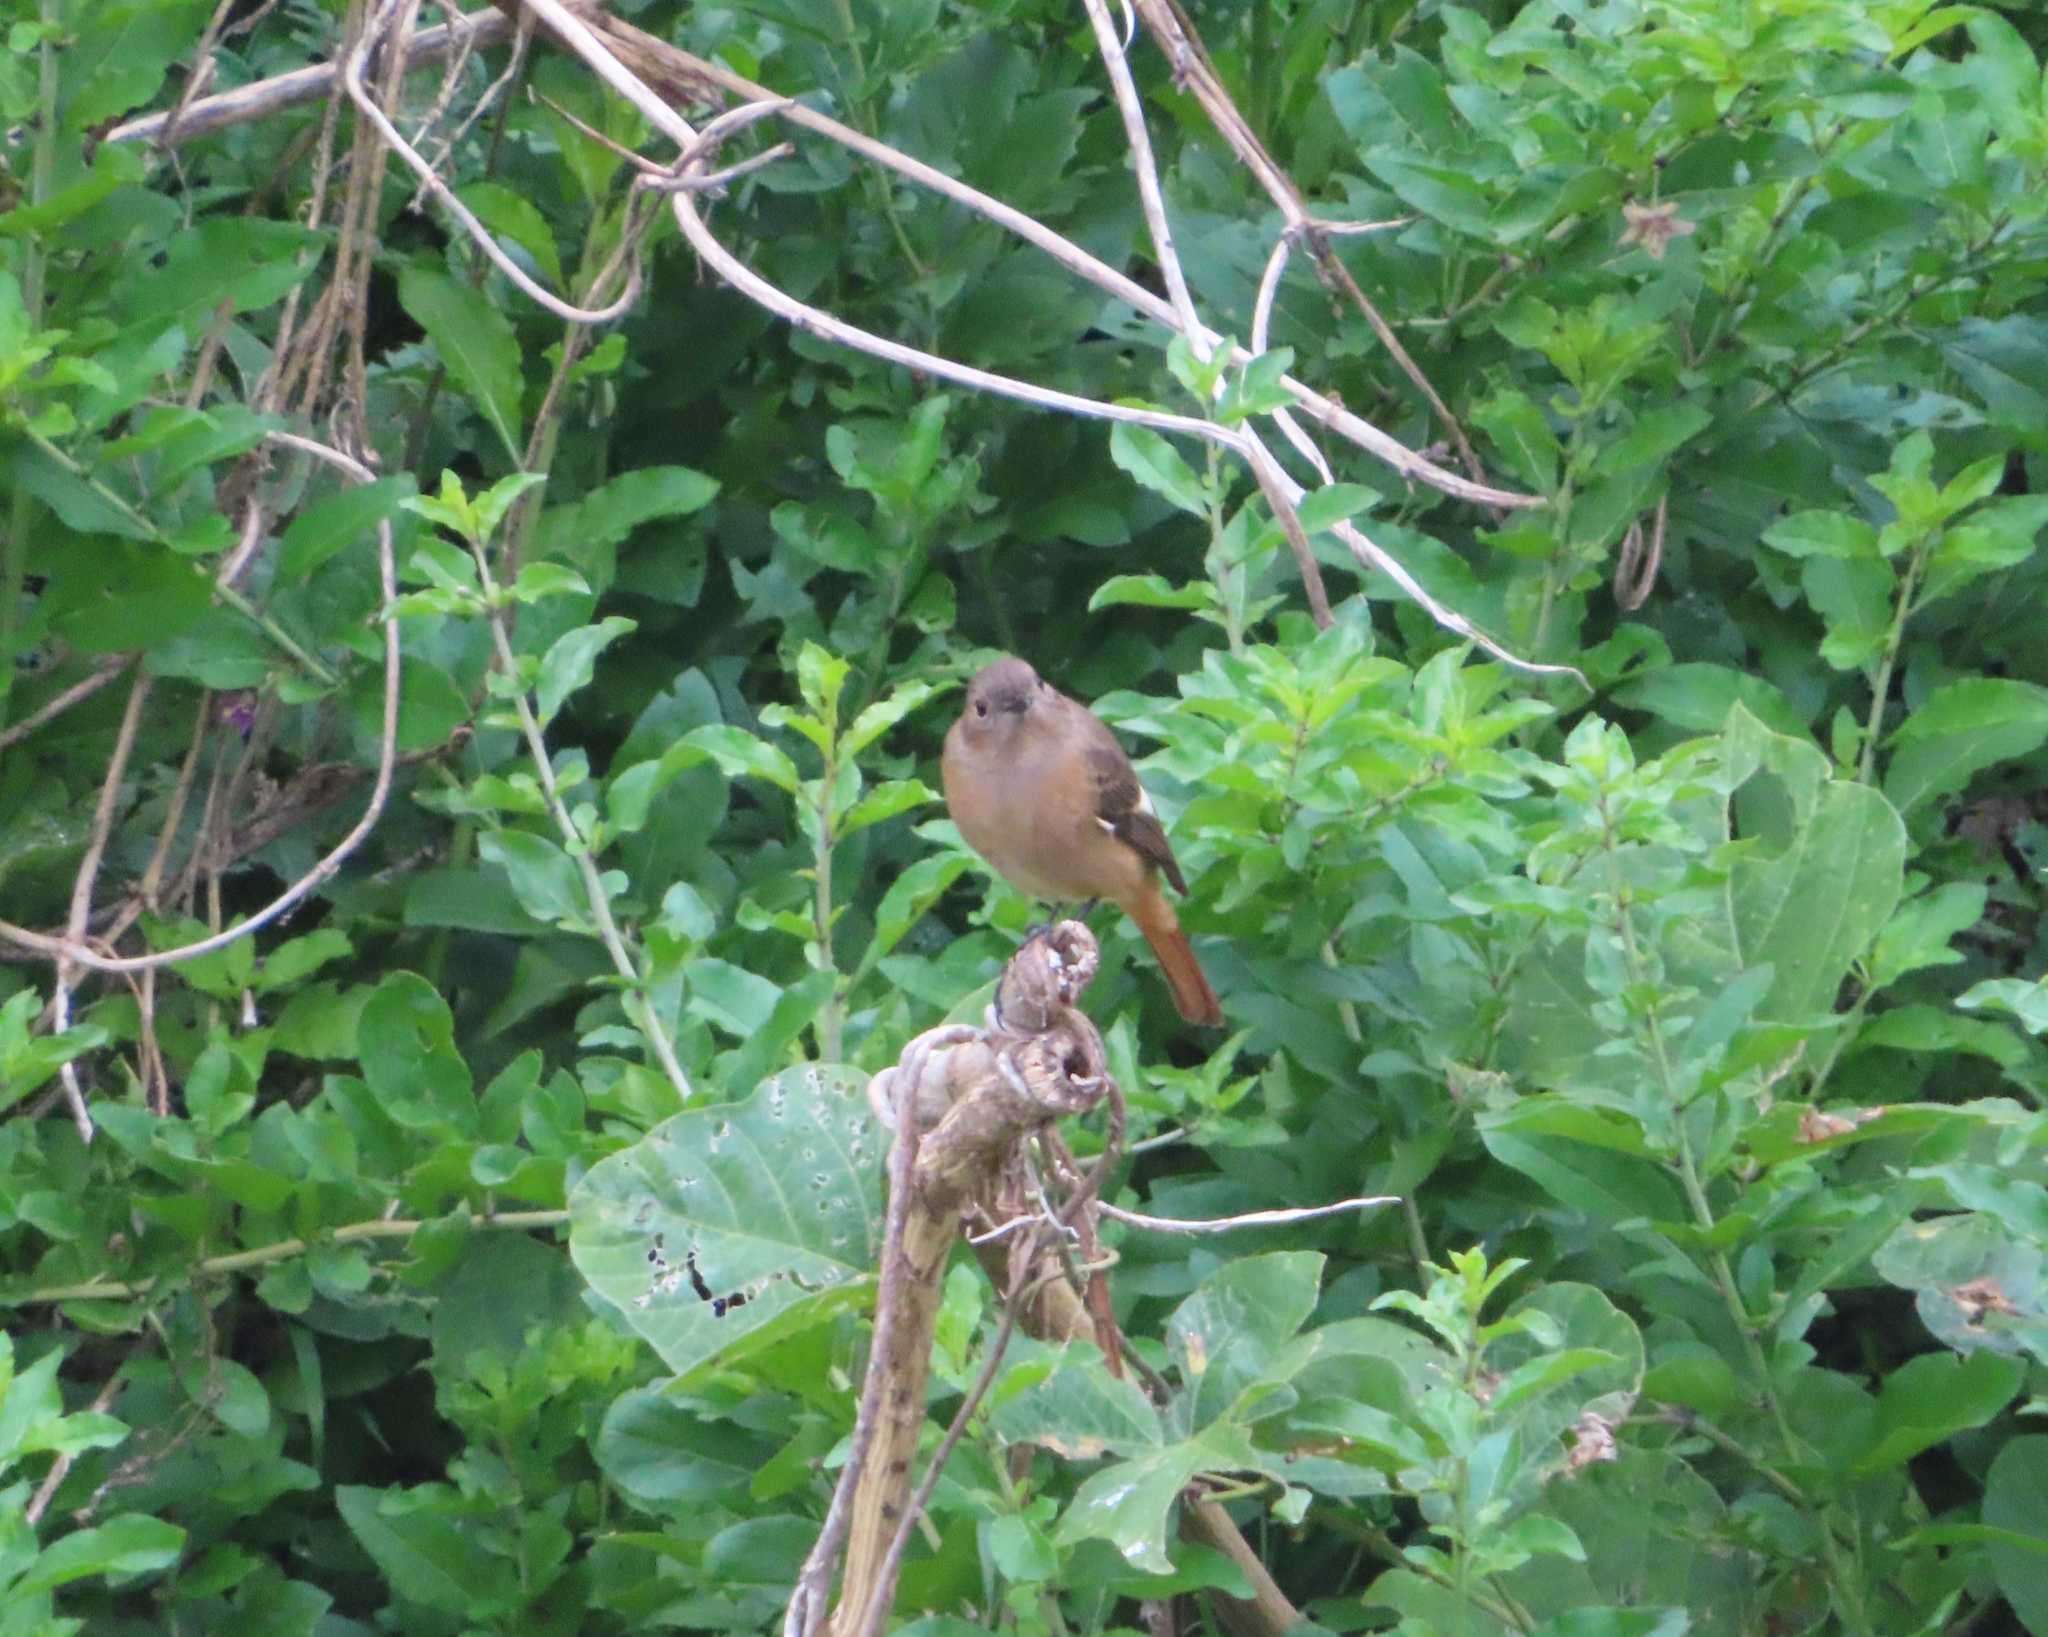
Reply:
x=878 y=718
x=1958 y=731
x=1071 y=1404
x=2016 y=1500
x=1150 y=591
x=409 y=1059
x=544 y=879
x=1653 y=438
x=72 y=496
x=477 y=343
x=571 y=661
x=1330 y=504
x=613 y=510
x=1929 y=1399
x=428 y=1555
x=511 y=215
x=922 y=883
x=726 y=1229
x=657 y=1451
x=338 y=522
x=1854 y=597
x=886 y=801
x=1156 y=464
x=1820 y=883
x=1823 y=534
x=741 y=754
x=130 y=1544
x=2026 y=1001
x=1521 y=433
x=1227 y=1334
x=1131 y=1503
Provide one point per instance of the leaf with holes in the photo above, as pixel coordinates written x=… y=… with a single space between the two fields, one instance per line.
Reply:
x=727 y=1229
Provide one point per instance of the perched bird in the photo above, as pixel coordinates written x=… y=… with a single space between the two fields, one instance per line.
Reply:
x=1042 y=790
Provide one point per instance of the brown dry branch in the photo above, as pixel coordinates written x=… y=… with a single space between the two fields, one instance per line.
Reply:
x=247 y=103
x=964 y=1105
x=967 y=1105
x=76 y=694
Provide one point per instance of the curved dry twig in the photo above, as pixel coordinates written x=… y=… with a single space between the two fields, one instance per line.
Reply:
x=578 y=38
x=431 y=183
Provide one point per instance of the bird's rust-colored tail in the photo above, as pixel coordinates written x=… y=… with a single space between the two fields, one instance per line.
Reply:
x=1184 y=975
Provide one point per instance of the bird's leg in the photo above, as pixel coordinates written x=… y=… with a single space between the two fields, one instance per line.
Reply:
x=1060 y=912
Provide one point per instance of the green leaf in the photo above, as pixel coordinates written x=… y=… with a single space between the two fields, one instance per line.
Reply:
x=407 y=1038
x=330 y=526
x=477 y=343
x=1822 y=534
x=571 y=660
x=509 y=214
x=658 y=1451
x=727 y=1229
x=544 y=879
x=427 y=1555
x=613 y=510
x=1521 y=433
x=1999 y=536
x=1540 y=1375
x=1226 y=1334
x=1150 y=591
x=1331 y=503
x=127 y=1545
x=827 y=537
x=739 y=753
x=1130 y=1504
x=878 y=718
x=81 y=506
x=1698 y=695
x=820 y=676
x=1929 y=1399
x=886 y=801
x=1067 y=1401
x=1155 y=463
x=1959 y=730
x=2016 y=1500
x=1654 y=437
x=237 y=263
x=1821 y=880
x=2026 y=1001
x=119 y=63
x=1854 y=597
x=922 y=883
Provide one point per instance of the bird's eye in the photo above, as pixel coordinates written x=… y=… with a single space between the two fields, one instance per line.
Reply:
x=981 y=707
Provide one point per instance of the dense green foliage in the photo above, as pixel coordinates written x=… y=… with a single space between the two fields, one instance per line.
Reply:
x=1693 y=1007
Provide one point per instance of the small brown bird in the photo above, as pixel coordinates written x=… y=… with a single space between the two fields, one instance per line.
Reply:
x=1042 y=790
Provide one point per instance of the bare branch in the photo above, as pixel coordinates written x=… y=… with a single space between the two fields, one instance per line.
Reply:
x=261 y=100
x=1249 y=1219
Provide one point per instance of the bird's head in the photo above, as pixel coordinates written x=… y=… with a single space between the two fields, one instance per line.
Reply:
x=1000 y=701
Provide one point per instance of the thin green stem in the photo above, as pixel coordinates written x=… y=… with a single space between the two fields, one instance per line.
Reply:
x=115 y=1290
x=640 y=1005
x=829 y=1020
x=1881 y=688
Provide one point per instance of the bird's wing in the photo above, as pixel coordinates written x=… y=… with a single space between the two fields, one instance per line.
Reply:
x=1123 y=808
